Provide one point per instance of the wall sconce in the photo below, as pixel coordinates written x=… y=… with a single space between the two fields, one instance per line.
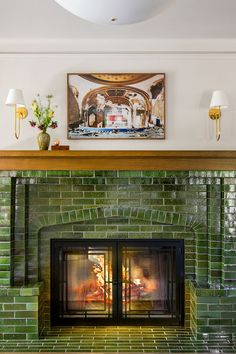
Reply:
x=218 y=101
x=15 y=98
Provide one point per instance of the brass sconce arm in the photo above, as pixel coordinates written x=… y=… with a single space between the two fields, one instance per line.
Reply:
x=215 y=114
x=218 y=102
x=21 y=112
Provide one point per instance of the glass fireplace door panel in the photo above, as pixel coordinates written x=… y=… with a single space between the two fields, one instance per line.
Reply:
x=87 y=283
x=148 y=282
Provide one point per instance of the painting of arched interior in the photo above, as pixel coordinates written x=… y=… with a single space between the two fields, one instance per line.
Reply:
x=116 y=106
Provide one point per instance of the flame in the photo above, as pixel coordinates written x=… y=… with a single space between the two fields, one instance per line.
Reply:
x=138 y=284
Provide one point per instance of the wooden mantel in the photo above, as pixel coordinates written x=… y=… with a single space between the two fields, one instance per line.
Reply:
x=117 y=160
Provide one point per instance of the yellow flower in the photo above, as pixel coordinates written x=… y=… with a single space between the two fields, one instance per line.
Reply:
x=34 y=106
x=51 y=114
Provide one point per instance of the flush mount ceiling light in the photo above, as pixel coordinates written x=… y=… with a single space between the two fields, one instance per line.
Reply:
x=119 y=12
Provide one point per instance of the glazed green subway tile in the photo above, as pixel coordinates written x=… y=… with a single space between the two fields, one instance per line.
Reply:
x=59 y=201
x=5 y=200
x=5 y=295
x=208 y=299
x=230 y=275
x=7 y=329
x=229 y=314
x=82 y=173
x=32 y=306
x=58 y=173
x=33 y=174
x=51 y=194
x=82 y=227
x=44 y=209
x=64 y=208
x=4 y=262
x=26 y=291
x=5 y=182
x=95 y=235
x=26 y=314
x=131 y=228
x=4 y=274
x=163 y=181
x=14 y=322
x=178 y=174
x=14 y=336
x=67 y=181
x=106 y=173
x=103 y=201
x=5 y=194
x=41 y=201
x=220 y=322
x=14 y=307
x=153 y=229
x=43 y=180
x=6 y=314
x=94 y=181
x=106 y=228
x=139 y=181
x=84 y=201
x=95 y=194
x=117 y=220
x=26 y=329
x=123 y=174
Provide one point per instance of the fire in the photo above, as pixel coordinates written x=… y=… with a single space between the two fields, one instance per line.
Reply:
x=138 y=284
x=94 y=288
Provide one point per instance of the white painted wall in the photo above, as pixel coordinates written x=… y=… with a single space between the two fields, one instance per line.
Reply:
x=191 y=78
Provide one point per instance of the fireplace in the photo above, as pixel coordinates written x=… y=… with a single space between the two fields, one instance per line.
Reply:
x=117 y=282
x=117 y=208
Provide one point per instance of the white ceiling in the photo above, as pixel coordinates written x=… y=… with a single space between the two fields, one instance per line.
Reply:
x=38 y=19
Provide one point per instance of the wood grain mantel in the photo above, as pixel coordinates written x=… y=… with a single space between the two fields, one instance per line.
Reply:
x=117 y=160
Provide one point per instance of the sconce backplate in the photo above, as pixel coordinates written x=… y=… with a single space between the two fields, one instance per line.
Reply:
x=214 y=113
x=21 y=112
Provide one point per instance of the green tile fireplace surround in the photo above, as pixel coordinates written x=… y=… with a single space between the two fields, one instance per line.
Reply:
x=197 y=206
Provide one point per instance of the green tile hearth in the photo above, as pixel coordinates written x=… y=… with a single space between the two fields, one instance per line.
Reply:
x=121 y=339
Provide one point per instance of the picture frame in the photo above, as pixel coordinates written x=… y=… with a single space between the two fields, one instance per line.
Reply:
x=116 y=106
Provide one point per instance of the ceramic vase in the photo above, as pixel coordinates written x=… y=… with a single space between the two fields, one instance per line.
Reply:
x=43 y=140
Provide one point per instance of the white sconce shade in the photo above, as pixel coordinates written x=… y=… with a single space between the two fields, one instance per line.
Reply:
x=15 y=97
x=118 y=12
x=219 y=99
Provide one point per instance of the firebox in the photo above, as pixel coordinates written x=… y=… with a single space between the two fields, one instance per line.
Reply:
x=121 y=282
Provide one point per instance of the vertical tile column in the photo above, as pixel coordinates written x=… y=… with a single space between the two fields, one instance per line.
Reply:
x=214 y=233
x=19 y=246
x=229 y=232
x=5 y=231
x=198 y=198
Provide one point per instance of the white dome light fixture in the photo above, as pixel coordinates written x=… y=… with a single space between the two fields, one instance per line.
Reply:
x=117 y=12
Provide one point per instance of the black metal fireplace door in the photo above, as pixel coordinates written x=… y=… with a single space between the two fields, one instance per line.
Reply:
x=117 y=282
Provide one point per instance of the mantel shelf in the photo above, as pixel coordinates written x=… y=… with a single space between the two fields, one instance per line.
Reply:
x=117 y=160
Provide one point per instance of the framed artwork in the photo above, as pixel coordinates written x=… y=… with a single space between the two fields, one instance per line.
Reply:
x=116 y=106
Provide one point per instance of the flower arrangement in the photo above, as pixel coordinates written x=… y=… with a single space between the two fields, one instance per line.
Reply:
x=43 y=113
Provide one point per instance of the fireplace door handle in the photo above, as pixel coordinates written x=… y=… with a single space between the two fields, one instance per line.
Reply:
x=115 y=283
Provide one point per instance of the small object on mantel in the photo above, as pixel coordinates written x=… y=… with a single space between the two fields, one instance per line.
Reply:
x=57 y=146
x=56 y=142
x=60 y=147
